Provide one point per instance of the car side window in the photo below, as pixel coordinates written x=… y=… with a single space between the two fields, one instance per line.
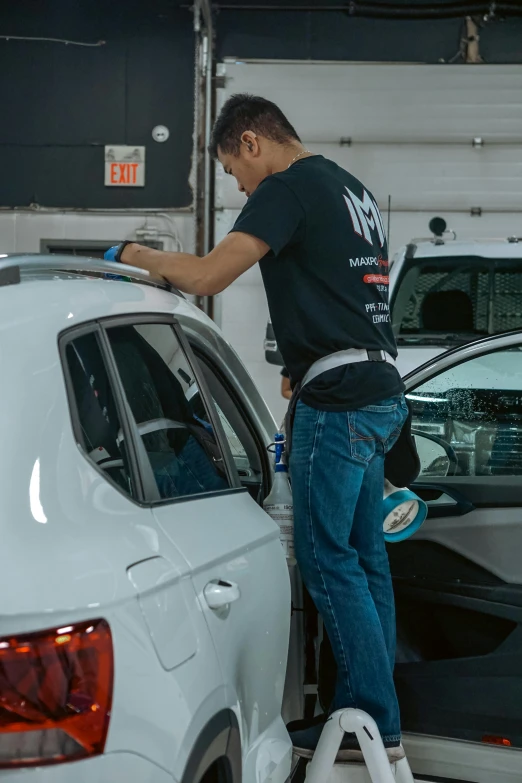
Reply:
x=238 y=430
x=97 y=422
x=474 y=411
x=158 y=382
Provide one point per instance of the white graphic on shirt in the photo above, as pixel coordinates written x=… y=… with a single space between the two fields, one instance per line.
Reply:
x=365 y=216
x=364 y=261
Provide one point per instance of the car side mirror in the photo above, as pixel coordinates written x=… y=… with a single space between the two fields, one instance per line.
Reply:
x=437 y=457
x=272 y=353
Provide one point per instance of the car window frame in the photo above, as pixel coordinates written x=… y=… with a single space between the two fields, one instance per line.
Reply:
x=230 y=389
x=151 y=498
x=445 y=361
x=507 y=485
x=65 y=338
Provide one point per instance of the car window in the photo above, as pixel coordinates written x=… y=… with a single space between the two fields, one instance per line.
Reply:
x=456 y=299
x=475 y=410
x=247 y=452
x=97 y=420
x=159 y=382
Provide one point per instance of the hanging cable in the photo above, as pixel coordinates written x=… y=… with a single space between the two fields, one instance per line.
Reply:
x=376 y=10
x=51 y=40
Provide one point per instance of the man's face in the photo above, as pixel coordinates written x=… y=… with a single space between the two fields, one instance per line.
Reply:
x=249 y=167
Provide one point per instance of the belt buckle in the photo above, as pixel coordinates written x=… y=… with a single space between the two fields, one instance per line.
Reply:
x=376 y=356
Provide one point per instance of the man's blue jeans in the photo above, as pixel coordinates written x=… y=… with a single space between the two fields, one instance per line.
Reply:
x=337 y=471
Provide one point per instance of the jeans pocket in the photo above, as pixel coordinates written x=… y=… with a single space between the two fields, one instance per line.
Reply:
x=384 y=408
x=362 y=442
x=364 y=426
x=372 y=427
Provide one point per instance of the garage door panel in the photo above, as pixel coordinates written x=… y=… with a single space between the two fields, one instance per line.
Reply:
x=424 y=176
x=388 y=101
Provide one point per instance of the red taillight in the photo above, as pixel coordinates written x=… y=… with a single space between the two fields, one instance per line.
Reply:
x=55 y=694
x=492 y=740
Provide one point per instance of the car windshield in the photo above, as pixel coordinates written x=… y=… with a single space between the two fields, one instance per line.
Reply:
x=456 y=299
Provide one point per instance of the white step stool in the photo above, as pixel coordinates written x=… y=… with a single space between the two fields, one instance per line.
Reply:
x=376 y=767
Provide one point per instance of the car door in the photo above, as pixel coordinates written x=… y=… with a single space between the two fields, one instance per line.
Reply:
x=249 y=430
x=458 y=581
x=164 y=653
x=236 y=561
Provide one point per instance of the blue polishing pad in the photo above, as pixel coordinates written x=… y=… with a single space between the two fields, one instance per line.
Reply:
x=404 y=513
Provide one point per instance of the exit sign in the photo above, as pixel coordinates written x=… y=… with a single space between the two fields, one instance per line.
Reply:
x=124 y=166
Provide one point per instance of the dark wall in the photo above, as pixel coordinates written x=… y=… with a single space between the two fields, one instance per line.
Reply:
x=62 y=104
x=335 y=35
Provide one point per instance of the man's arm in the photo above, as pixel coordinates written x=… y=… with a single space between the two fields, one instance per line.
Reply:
x=286 y=389
x=205 y=276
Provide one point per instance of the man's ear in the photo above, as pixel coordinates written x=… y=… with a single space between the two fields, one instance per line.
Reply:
x=249 y=138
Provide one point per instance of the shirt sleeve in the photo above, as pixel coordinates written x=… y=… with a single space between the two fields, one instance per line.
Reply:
x=285 y=373
x=273 y=214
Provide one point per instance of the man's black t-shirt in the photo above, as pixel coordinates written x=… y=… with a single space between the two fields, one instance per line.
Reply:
x=326 y=279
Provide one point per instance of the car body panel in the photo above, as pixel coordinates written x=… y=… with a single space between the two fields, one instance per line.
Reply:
x=165 y=601
x=230 y=539
x=112 y=767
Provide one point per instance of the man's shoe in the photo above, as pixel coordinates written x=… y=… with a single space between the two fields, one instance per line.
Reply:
x=306 y=723
x=305 y=743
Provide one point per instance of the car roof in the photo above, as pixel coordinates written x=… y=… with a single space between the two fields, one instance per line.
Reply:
x=48 y=290
x=483 y=248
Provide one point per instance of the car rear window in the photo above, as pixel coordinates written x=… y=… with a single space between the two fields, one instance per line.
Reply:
x=456 y=299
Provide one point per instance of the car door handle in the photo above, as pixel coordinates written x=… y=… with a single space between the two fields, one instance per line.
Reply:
x=449 y=503
x=219 y=593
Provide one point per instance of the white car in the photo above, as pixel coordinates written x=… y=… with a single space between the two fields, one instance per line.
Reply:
x=446 y=292
x=146 y=600
x=145 y=595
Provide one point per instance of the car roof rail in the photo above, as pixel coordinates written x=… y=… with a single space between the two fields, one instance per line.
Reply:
x=13 y=267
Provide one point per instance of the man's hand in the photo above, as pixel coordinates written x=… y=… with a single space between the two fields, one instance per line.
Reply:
x=205 y=276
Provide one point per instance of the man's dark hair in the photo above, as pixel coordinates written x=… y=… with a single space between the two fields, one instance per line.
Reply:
x=244 y=112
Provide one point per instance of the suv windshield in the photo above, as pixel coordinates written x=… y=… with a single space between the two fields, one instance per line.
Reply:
x=456 y=299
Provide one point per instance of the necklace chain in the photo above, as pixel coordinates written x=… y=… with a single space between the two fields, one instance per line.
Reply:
x=304 y=152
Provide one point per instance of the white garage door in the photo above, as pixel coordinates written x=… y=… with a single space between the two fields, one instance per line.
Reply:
x=407 y=131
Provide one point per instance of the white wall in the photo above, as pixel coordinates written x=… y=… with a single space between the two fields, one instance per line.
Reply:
x=412 y=128
x=22 y=230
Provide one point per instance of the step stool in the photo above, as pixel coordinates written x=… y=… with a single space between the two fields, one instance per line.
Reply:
x=376 y=767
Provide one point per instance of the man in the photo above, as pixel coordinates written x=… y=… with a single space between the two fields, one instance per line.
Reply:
x=318 y=236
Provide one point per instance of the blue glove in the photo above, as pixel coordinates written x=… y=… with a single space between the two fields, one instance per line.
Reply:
x=114 y=254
